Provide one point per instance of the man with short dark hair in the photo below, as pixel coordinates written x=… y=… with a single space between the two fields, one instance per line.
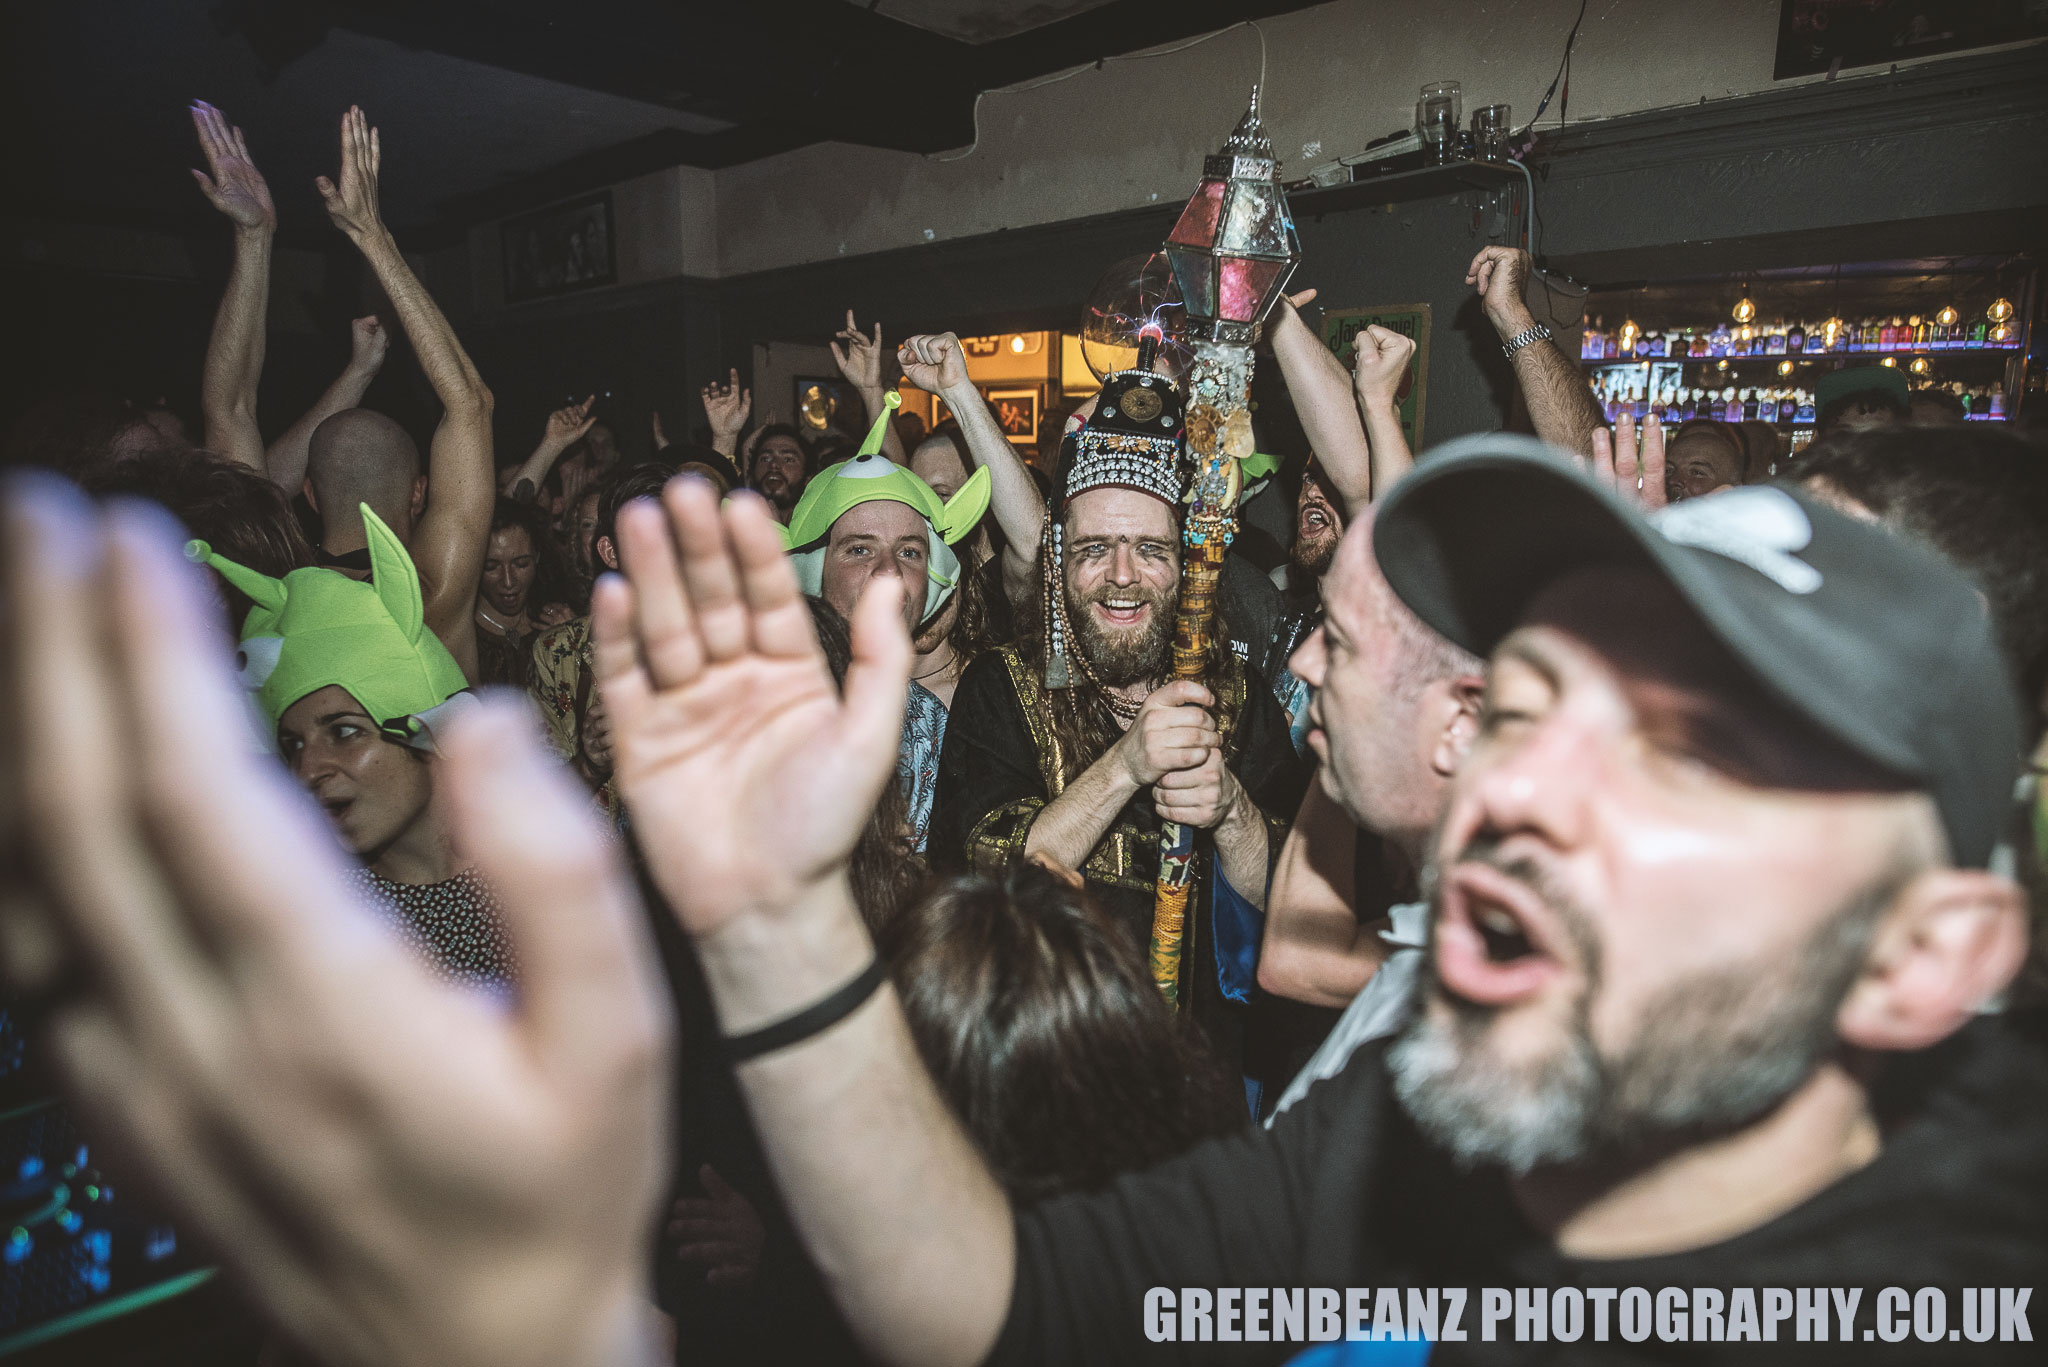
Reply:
x=1980 y=497
x=779 y=467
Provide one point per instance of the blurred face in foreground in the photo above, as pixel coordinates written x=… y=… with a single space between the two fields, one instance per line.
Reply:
x=1654 y=889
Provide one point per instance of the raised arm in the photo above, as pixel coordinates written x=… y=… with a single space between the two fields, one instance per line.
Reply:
x=714 y=681
x=1315 y=949
x=726 y=408
x=1380 y=358
x=1322 y=399
x=935 y=364
x=448 y=541
x=565 y=427
x=368 y=341
x=860 y=360
x=1561 y=407
x=234 y=354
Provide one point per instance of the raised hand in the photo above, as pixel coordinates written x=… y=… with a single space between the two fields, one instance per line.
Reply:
x=1632 y=468
x=1379 y=366
x=748 y=776
x=860 y=361
x=236 y=187
x=1500 y=275
x=566 y=425
x=353 y=204
x=720 y=1230
x=727 y=407
x=400 y=1171
x=933 y=362
x=368 y=341
x=1289 y=312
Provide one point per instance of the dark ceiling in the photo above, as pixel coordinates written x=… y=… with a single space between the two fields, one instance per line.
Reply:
x=491 y=105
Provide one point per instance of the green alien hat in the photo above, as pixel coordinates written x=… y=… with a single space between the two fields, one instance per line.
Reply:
x=871 y=477
x=317 y=627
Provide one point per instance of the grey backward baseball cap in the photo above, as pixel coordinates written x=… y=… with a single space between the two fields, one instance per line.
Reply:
x=1880 y=643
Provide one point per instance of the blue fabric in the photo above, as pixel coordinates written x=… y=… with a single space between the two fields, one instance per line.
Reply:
x=1366 y=1353
x=917 y=757
x=1239 y=928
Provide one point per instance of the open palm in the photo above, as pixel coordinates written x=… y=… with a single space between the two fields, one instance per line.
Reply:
x=401 y=1171
x=236 y=187
x=748 y=777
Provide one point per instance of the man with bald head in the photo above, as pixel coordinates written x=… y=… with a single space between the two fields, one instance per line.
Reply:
x=359 y=458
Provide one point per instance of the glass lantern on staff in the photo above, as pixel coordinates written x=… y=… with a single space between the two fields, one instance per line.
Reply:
x=1231 y=253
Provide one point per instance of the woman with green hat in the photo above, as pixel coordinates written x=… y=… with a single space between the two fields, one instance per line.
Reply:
x=350 y=686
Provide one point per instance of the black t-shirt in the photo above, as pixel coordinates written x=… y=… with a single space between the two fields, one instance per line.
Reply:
x=1343 y=1192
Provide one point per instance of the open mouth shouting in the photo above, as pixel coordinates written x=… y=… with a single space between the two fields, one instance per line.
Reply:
x=1496 y=940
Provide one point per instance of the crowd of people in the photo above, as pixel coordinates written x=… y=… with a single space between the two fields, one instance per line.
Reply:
x=1613 y=858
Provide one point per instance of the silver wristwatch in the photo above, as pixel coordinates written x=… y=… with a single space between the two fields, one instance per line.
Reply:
x=1534 y=333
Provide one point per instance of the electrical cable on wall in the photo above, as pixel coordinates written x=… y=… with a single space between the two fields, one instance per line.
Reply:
x=1097 y=65
x=1563 y=76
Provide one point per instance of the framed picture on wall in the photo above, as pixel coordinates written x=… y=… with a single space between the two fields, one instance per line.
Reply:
x=560 y=249
x=1016 y=413
x=1340 y=326
x=824 y=405
x=1814 y=35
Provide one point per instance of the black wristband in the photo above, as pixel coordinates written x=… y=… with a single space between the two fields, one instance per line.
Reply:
x=812 y=1020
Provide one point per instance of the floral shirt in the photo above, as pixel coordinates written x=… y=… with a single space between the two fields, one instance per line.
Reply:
x=564 y=686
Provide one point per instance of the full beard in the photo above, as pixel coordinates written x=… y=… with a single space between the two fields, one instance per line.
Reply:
x=1131 y=655
x=1312 y=554
x=1714 y=1051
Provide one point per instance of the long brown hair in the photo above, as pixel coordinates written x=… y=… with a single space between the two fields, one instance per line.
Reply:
x=883 y=871
x=1037 y=1018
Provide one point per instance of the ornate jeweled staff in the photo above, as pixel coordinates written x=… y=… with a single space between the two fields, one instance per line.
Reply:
x=1231 y=253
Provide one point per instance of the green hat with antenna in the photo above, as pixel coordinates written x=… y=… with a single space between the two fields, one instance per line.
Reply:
x=318 y=627
x=871 y=477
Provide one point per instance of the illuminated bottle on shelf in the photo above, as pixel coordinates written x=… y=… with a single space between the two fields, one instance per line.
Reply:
x=1804 y=412
x=1698 y=346
x=1976 y=337
x=1922 y=332
x=1748 y=405
x=1998 y=401
x=1655 y=341
x=1639 y=407
x=1888 y=336
x=1718 y=339
x=1731 y=407
x=1873 y=334
x=1795 y=340
x=1788 y=406
x=1774 y=340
